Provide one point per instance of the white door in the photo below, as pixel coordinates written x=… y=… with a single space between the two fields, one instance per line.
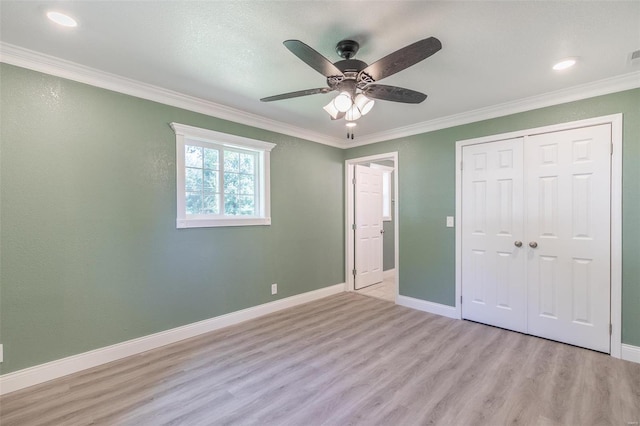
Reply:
x=552 y=193
x=368 y=226
x=493 y=257
x=568 y=223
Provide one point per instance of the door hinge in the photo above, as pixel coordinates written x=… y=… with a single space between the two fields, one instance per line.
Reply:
x=611 y=149
x=461 y=166
x=353 y=181
x=610 y=329
x=461 y=300
x=353 y=272
x=354 y=226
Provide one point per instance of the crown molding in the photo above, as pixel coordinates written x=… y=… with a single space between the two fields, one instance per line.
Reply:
x=574 y=93
x=25 y=58
x=36 y=61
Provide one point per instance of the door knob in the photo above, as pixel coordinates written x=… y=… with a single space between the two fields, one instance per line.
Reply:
x=518 y=244
x=382 y=231
x=533 y=244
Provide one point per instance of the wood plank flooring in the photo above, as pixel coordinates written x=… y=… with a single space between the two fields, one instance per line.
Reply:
x=344 y=360
x=385 y=290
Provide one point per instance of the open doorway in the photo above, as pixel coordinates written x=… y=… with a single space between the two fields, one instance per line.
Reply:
x=371 y=227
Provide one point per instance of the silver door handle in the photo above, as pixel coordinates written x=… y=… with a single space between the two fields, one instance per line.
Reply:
x=533 y=244
x=518 y=244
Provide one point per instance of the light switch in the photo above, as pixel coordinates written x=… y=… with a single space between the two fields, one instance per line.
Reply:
x=449 y=221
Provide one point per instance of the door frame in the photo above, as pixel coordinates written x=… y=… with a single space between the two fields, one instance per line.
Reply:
x=616 y=211
x=350 y=215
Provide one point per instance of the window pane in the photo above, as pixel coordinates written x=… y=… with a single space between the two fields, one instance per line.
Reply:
x=230 y=204
x=221 y=179
x=211 y=160
x=386 y=195
x=231 y=161
x=231 y=183
x=193 y=179
x=246 y=205
x=210 y=181
x=246 y=184
x=210 y=204
x=193 y=203
x=247 y=163
x=192 y=156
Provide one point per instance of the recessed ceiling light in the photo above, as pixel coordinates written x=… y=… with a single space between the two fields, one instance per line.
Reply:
x=351 y=124
x=564 y=64
x=62 y=19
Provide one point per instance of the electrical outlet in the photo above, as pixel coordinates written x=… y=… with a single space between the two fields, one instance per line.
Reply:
x=449 y=221
x=274 y=288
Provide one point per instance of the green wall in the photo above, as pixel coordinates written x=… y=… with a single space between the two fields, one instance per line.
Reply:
x=90 y=255
x=427 y=196
x=90 y=252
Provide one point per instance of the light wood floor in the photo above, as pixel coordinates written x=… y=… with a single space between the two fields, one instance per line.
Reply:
x=385 y=290
x=344 y=360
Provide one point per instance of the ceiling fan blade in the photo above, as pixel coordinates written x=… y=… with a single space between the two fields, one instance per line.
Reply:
x=312 y=58
x=296 y=94
x=393 y=93
x=401 y=59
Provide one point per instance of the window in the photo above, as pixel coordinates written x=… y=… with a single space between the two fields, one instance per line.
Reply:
x=386 y=190
x=386 y=195
x=222 y=179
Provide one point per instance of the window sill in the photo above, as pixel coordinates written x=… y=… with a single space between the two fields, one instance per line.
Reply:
x=213 y=223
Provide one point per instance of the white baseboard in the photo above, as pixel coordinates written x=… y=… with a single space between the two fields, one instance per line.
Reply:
x=630 y=353
x=426 y=306
x=52 y=370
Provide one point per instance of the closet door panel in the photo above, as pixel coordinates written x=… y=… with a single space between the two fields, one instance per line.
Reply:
x=568 y=235
x=493 y=278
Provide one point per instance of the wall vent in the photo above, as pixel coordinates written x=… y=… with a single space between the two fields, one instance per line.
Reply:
x=635 y=55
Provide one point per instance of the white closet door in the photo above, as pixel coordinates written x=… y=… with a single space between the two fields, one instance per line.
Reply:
x=368 y=233
x=568 y=220
x=493 y=259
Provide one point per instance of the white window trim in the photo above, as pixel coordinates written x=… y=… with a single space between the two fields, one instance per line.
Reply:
x=194 y=135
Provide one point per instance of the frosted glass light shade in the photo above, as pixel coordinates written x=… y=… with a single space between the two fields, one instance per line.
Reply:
x=343 y=102
x=331 y=110
x=352 y=114
x=364 y=104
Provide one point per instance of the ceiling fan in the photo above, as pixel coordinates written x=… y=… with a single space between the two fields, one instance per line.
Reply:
x=355 y=80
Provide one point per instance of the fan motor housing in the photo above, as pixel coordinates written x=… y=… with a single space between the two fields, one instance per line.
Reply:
x=350 y=69
x=350 y=65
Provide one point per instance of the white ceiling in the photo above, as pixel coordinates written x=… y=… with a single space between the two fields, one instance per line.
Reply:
x=231 y=52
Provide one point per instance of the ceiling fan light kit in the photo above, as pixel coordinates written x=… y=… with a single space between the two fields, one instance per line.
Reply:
x=343 y=102
x=354 y=79
x=332 y=110
x=353 y=114
x=363 y=103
